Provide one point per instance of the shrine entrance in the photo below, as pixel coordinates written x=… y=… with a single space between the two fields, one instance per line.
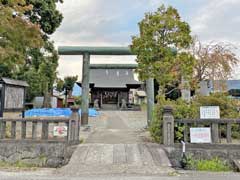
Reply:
x=107 y=97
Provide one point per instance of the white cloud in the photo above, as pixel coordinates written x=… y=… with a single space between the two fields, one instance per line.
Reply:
x=98 y=23
x=217 y=21
x=101 y=22
x=112 y=22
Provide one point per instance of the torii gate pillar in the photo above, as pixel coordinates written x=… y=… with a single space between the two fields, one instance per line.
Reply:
x=85 y=89
x=150 y=100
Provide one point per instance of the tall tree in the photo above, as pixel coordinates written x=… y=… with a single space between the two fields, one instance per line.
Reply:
x=17 y=36
x=29 y=59
x=161 y=46
x=45 y=60
x=215 y=61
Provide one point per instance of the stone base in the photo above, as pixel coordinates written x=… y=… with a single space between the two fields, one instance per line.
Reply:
x=227 y=152
x=52 y=154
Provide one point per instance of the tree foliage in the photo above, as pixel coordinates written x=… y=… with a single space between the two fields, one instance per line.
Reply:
x=215 y=61
x=29 y=58
x=45 y=14
x=160 y=47
x=41 y=72
x=66 y=86
x=17 y=36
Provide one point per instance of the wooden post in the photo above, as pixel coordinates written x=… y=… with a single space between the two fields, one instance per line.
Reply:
x=150 y=100
x=85 y=88
x=168 y=126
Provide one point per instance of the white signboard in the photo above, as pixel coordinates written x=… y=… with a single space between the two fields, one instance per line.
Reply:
x=210 y=112
x=186 y=95
x=200 y=135
x=60 y=131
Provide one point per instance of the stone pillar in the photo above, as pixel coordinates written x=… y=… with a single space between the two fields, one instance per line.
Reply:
x=85 y=88
x=1 y=100
x=215 y=133
x=150 y=100
x=75 y=127
x=168 y=126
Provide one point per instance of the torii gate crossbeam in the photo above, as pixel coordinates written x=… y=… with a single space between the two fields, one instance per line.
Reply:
x=87 y=52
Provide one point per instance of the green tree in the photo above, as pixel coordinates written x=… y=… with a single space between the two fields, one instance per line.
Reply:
x=40 y=72
x=66 y=86
x=161 y=47
x=45 y=60
x=17 y=36
x=45 y=14
x=38 y=62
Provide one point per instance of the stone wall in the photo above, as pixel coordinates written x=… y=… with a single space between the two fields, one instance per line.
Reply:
x=51 y=154
x=227 y=152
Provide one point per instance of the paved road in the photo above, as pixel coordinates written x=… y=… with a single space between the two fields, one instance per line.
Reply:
x=46 y=175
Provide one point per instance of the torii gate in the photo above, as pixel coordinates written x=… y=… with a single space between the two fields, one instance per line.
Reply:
x=87 y=52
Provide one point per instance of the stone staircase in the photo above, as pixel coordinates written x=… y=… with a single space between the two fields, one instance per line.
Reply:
x=97 y=159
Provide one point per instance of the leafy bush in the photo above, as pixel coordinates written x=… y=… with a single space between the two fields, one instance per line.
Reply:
x=183 y=110
x=228 y=107
x=78 y=100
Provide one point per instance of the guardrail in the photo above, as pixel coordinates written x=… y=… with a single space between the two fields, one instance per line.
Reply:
x=39 y=128
x=213 y=123
x=169 y=127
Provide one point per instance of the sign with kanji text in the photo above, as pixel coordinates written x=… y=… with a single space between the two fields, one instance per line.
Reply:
x=60 y=131
x=200 y=135
x=209 y=112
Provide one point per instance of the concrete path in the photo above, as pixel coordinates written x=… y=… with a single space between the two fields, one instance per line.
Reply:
x=117 y=146
x=118 y=127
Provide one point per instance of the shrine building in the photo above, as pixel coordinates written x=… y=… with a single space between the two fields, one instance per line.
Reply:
x=110 y=85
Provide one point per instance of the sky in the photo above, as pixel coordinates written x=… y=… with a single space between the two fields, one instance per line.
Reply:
x=114 y=22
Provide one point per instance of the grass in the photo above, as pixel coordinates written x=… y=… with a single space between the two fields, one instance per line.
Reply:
x=213 y=165
x=81 y=140
x=17 y=165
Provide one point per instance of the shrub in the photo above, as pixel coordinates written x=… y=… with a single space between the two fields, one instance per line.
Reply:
x=214 y=165
x=228 y=107
x=183 y=110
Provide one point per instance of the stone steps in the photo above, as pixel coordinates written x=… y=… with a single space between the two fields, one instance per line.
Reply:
x=118 y=158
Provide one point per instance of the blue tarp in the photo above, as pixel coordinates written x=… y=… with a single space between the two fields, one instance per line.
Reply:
x=50 y=112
